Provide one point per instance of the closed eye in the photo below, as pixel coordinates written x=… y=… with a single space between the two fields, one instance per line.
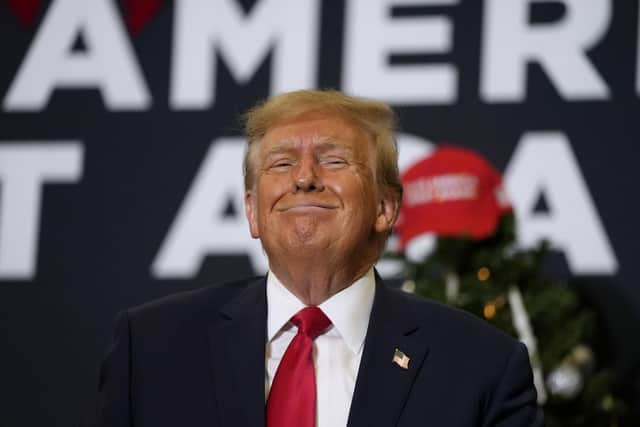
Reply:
x=281 y=164
x=333 y=162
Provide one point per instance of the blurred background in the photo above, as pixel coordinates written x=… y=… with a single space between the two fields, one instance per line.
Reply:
x=121 y=150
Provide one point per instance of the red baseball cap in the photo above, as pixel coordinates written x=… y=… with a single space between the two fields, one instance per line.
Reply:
x=452 y=192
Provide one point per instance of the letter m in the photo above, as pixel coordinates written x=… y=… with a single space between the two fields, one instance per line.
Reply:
x=204 y=29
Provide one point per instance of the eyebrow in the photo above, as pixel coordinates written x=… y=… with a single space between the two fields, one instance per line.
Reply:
x=325 y=143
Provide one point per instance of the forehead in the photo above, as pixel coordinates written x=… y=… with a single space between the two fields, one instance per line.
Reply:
x=316 y=129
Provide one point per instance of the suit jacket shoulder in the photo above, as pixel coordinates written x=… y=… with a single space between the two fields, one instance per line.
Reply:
x=458 y=329
x=188 y=306
x=174 y=361
x=461 y=370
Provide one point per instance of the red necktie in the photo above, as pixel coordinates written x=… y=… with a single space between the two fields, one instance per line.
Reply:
x=292 y=399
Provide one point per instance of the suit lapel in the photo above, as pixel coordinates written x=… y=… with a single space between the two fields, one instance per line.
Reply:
x=382 y=386
x=237 y=344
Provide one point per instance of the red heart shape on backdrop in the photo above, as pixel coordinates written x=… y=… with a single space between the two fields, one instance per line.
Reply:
x=25 y=10
x=139 y=12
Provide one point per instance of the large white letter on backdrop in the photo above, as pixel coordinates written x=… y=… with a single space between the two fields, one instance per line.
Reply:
x=510 y=43
x=201 y=228
x=24 y=168
x=372 y=35
x=203 y=27
x=543 y=163
x=108 y=63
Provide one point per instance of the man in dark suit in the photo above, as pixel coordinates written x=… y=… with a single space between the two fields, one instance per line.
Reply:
x=321 y=341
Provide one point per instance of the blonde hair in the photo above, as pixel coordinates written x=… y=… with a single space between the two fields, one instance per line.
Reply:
x=376 y=118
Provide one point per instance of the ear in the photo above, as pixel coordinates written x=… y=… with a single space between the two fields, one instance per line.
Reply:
x=387 y=213
x=251 y=210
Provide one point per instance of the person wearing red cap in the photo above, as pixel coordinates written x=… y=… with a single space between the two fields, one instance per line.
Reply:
x=321 y=340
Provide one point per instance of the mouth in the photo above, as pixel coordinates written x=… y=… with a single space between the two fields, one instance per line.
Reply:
x=306 y=207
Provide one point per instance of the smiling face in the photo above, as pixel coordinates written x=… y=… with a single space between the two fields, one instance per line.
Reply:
x=315 y=192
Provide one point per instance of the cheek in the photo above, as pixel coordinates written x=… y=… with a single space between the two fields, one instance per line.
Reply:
x=356 y=190
x=270 y=190
x=363 y=184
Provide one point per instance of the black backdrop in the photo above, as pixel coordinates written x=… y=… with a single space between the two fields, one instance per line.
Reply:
x=113 y=179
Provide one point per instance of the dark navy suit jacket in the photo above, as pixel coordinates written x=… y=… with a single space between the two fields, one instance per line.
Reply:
x=197 y=359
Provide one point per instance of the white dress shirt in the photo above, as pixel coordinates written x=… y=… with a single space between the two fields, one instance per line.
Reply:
x=336 y=353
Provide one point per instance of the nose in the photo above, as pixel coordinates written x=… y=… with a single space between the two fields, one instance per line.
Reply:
x=305 y=176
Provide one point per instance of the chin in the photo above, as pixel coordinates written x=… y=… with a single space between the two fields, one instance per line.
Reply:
x=305 y=242
x=305 y=229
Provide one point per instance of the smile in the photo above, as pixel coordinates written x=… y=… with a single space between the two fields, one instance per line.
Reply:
x=306 y=207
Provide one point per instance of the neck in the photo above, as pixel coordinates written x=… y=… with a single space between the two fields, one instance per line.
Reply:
x=313 y=281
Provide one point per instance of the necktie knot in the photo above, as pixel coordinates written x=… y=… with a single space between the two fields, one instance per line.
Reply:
x=311 y=321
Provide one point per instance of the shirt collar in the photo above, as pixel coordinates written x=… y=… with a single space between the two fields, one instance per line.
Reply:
x=348 y=310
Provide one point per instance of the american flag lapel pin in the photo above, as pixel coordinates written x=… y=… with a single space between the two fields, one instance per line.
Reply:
x=400 y=359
